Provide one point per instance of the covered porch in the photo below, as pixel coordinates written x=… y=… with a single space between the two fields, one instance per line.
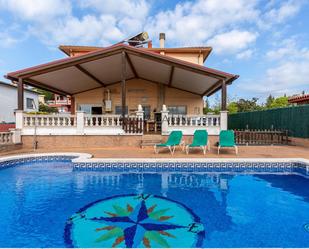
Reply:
x=120 y=67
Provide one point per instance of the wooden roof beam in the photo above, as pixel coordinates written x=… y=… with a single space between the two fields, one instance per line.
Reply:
x=84 y=71
x=40 y=85
x=171 y=76
x=213 y=89
x=131 y=65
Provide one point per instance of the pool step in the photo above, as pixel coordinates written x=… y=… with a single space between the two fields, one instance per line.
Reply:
x=150 y=140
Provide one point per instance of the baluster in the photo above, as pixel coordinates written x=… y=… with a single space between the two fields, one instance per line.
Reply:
x=113 y=121
x=41 y=121
x=211 y=121
x=30 y=121
x=180 y=120
x=96 y=121
x=58 y=121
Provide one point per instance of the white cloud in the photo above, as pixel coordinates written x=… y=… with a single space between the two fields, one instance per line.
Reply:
x=285 y=11
x=232 y=42
x=136 y=9
x=73 y=30
x=245 y=54
x=288 y=50
x=193 y=23
x=289 y=74
x=7 y=40
x=286 y=78
x=54 y=22
x=37 y=10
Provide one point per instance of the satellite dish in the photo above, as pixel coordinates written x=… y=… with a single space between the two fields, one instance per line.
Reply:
x=137 y=40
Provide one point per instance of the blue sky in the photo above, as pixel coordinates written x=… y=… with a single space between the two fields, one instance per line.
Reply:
x=265 y=42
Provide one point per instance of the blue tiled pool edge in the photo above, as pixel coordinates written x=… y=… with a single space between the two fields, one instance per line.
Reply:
x=84 y=162
x=224 y=167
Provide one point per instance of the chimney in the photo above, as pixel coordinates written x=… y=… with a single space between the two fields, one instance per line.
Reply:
x=162 y=40
x=150 y=44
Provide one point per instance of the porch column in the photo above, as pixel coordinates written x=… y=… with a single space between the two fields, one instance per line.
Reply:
x=223 y=96
x=80 y=122
x=140 y=117
x=164 y=120
x=224 y=112
x=123 y=85
x=20 y=94
x=72 y=105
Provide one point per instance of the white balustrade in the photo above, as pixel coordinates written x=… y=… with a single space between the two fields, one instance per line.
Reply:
x=79 y=124
x=60 y=120
x=6 y=138
x=194 y=121
x=102 y=121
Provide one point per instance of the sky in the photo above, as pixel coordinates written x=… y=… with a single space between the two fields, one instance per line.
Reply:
x=266 y=42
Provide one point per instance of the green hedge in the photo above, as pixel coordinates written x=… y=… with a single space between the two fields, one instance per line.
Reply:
x=295 y=119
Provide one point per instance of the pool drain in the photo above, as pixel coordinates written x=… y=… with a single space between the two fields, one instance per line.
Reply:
x=306 y=227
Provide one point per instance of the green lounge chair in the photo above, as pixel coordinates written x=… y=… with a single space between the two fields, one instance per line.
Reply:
x=200 y=140
x=174 y=139
x=227 y=139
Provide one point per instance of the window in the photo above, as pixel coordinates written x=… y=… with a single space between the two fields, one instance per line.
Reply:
x=90 y=109
x=118 y=109
x=146 y=109
x=177 y=110
x=30 y=103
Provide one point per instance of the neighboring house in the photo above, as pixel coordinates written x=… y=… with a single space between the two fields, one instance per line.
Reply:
x=8 y=101
x=62 y=103
x=300 y=99
x=125 y=90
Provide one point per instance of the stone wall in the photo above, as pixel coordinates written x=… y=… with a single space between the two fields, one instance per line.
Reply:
x=63 y=142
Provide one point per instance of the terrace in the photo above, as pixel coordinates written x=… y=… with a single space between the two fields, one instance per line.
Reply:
x=121 y=66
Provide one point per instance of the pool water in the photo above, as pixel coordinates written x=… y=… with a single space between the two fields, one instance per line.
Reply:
x=50 y=205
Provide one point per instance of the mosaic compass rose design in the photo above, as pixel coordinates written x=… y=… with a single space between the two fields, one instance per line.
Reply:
x=134 y=221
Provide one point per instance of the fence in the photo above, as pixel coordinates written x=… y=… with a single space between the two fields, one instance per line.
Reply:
x=295 y=119
x=261 y=137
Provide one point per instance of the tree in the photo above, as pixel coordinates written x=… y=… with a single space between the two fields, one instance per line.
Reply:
x=245 y=105
x=47 y=109
x=206 y=108
x=47 y=95
x=280 y=102
x=270 y=99
x=232 y=107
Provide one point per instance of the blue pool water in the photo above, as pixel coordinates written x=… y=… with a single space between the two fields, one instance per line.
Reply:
x=50 y=205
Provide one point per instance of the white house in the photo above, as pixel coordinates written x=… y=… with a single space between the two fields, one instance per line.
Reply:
x=8 y=101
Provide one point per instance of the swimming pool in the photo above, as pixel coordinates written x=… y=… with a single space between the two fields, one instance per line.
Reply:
x=48 y=203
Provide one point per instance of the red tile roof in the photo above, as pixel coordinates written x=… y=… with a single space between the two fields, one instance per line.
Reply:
x=299 y=98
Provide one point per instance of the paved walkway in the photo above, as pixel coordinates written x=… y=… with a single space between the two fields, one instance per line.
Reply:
x=131 y=152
